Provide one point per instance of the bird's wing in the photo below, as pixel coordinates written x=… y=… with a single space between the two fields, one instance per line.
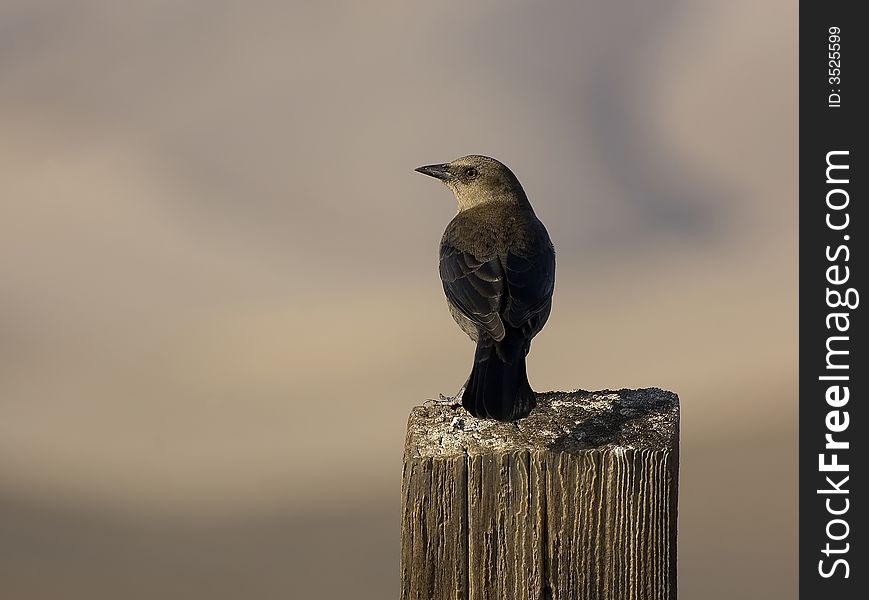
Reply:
x=530 y=283
x=476 y=287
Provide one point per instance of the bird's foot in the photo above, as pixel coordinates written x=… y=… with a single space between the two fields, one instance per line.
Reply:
x=450 y=400
x=529 y=403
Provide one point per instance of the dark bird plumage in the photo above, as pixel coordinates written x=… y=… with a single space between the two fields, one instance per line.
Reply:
x=497 y=266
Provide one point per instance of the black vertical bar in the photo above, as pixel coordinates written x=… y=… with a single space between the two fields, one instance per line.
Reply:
x=833 y=362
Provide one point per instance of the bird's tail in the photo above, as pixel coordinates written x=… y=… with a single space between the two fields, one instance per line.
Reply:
x=498 y=387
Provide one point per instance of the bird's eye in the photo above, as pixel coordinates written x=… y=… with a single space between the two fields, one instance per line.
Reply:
x=471 y=172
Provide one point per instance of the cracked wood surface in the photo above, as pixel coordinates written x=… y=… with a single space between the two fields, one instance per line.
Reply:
x=577 y=501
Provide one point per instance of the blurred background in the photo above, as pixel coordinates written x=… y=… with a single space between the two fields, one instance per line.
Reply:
x=218 y=286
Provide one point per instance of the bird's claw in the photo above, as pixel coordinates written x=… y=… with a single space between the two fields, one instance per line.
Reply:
x=450 y=400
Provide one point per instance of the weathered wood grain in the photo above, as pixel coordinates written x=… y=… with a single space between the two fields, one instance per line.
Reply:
x=578 y=501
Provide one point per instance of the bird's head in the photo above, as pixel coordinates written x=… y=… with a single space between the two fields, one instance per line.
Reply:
x=476 y=180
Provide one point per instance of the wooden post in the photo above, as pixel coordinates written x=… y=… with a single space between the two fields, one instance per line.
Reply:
x=578 y=501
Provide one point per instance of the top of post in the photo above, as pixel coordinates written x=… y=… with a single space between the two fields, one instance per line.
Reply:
x=644 y=419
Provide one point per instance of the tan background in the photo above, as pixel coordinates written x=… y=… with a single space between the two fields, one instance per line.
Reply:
x=218 y=289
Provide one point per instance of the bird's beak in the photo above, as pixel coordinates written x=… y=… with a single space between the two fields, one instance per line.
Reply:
x=441 y=172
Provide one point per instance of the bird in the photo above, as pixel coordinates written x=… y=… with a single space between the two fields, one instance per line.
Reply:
x=497 y=266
